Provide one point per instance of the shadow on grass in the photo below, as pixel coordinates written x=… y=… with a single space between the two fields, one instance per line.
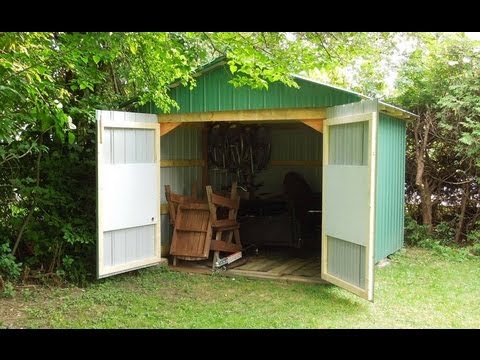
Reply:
x=332 y=294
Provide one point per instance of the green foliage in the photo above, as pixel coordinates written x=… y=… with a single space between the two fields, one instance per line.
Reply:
x=76 y=269
x=449 y=252
x=440 y=241
x=255 y=59
x=8 y=290
x=444 y=232
x=27 y=295
x=368 y=72
x=476 y=249
x=474 y=235
x=414 y=232
x=474 y=238
x=9 y=267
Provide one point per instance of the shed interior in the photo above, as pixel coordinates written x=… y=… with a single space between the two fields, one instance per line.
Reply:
x=280 y=208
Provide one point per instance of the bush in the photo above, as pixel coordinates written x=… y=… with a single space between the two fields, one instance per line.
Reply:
x=445 y=232
x=476 y=249
x=8 y=290
x=440 y=241
x=76 y=269
x=448 y=252
x=474 y=238
x=414 y=232
x=9 y=268
x=60 y=234
x=474 y=235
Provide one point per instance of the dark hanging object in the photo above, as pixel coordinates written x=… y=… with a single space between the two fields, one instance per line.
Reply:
x=242 y=149
x=216 y=145
x=262 y=147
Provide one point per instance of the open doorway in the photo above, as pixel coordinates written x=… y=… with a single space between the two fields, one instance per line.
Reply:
x=279 y=182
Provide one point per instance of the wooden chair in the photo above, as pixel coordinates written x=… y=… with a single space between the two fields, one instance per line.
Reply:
x=192 y=232
x=175 y=199
x=225 y=229
x=186 y=241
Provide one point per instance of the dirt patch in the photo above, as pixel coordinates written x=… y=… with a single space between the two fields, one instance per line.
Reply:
x=14 y=311
x=12 y=314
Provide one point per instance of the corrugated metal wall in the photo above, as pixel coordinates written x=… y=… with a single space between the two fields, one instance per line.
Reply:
x=127 y=245
x=348 y=144
x=292 y=142
x=128 y=146
x=356 y=108
x=301 y=143
x=214 y=93
x=346 y=261
x=183 y=143
x=389 y=222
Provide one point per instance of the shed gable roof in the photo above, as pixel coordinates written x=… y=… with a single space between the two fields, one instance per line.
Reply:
x=214 y=93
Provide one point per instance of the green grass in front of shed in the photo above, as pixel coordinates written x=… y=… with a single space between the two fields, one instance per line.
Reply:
x=420 y=289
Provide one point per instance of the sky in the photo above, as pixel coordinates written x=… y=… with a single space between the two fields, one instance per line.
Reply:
x=473 y=35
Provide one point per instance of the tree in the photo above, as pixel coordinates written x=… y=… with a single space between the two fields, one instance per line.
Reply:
x=440 y=82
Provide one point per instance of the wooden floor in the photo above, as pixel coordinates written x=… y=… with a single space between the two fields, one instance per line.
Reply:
x=268 y=264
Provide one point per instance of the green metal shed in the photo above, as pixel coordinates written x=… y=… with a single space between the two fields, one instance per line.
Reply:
x=348 y=147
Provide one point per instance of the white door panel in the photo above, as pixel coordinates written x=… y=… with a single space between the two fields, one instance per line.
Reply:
x=128 y=198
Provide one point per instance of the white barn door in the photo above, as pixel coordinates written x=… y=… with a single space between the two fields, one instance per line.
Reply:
x=128 y=197
x=349 y=159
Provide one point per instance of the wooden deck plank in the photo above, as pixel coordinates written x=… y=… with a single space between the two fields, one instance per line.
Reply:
x=270 y=276
x=308 y=271
x=286 y=265
x=258 y=274
x=294 y=267
x=253 y=261
x=303 y=279
x=264 y=265
x=311 y=263
x=304 y=266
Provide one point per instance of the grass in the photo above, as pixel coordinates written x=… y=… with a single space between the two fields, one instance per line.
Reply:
x=420 y=289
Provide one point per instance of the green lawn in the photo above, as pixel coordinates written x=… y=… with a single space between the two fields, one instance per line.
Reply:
x=420 y=289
